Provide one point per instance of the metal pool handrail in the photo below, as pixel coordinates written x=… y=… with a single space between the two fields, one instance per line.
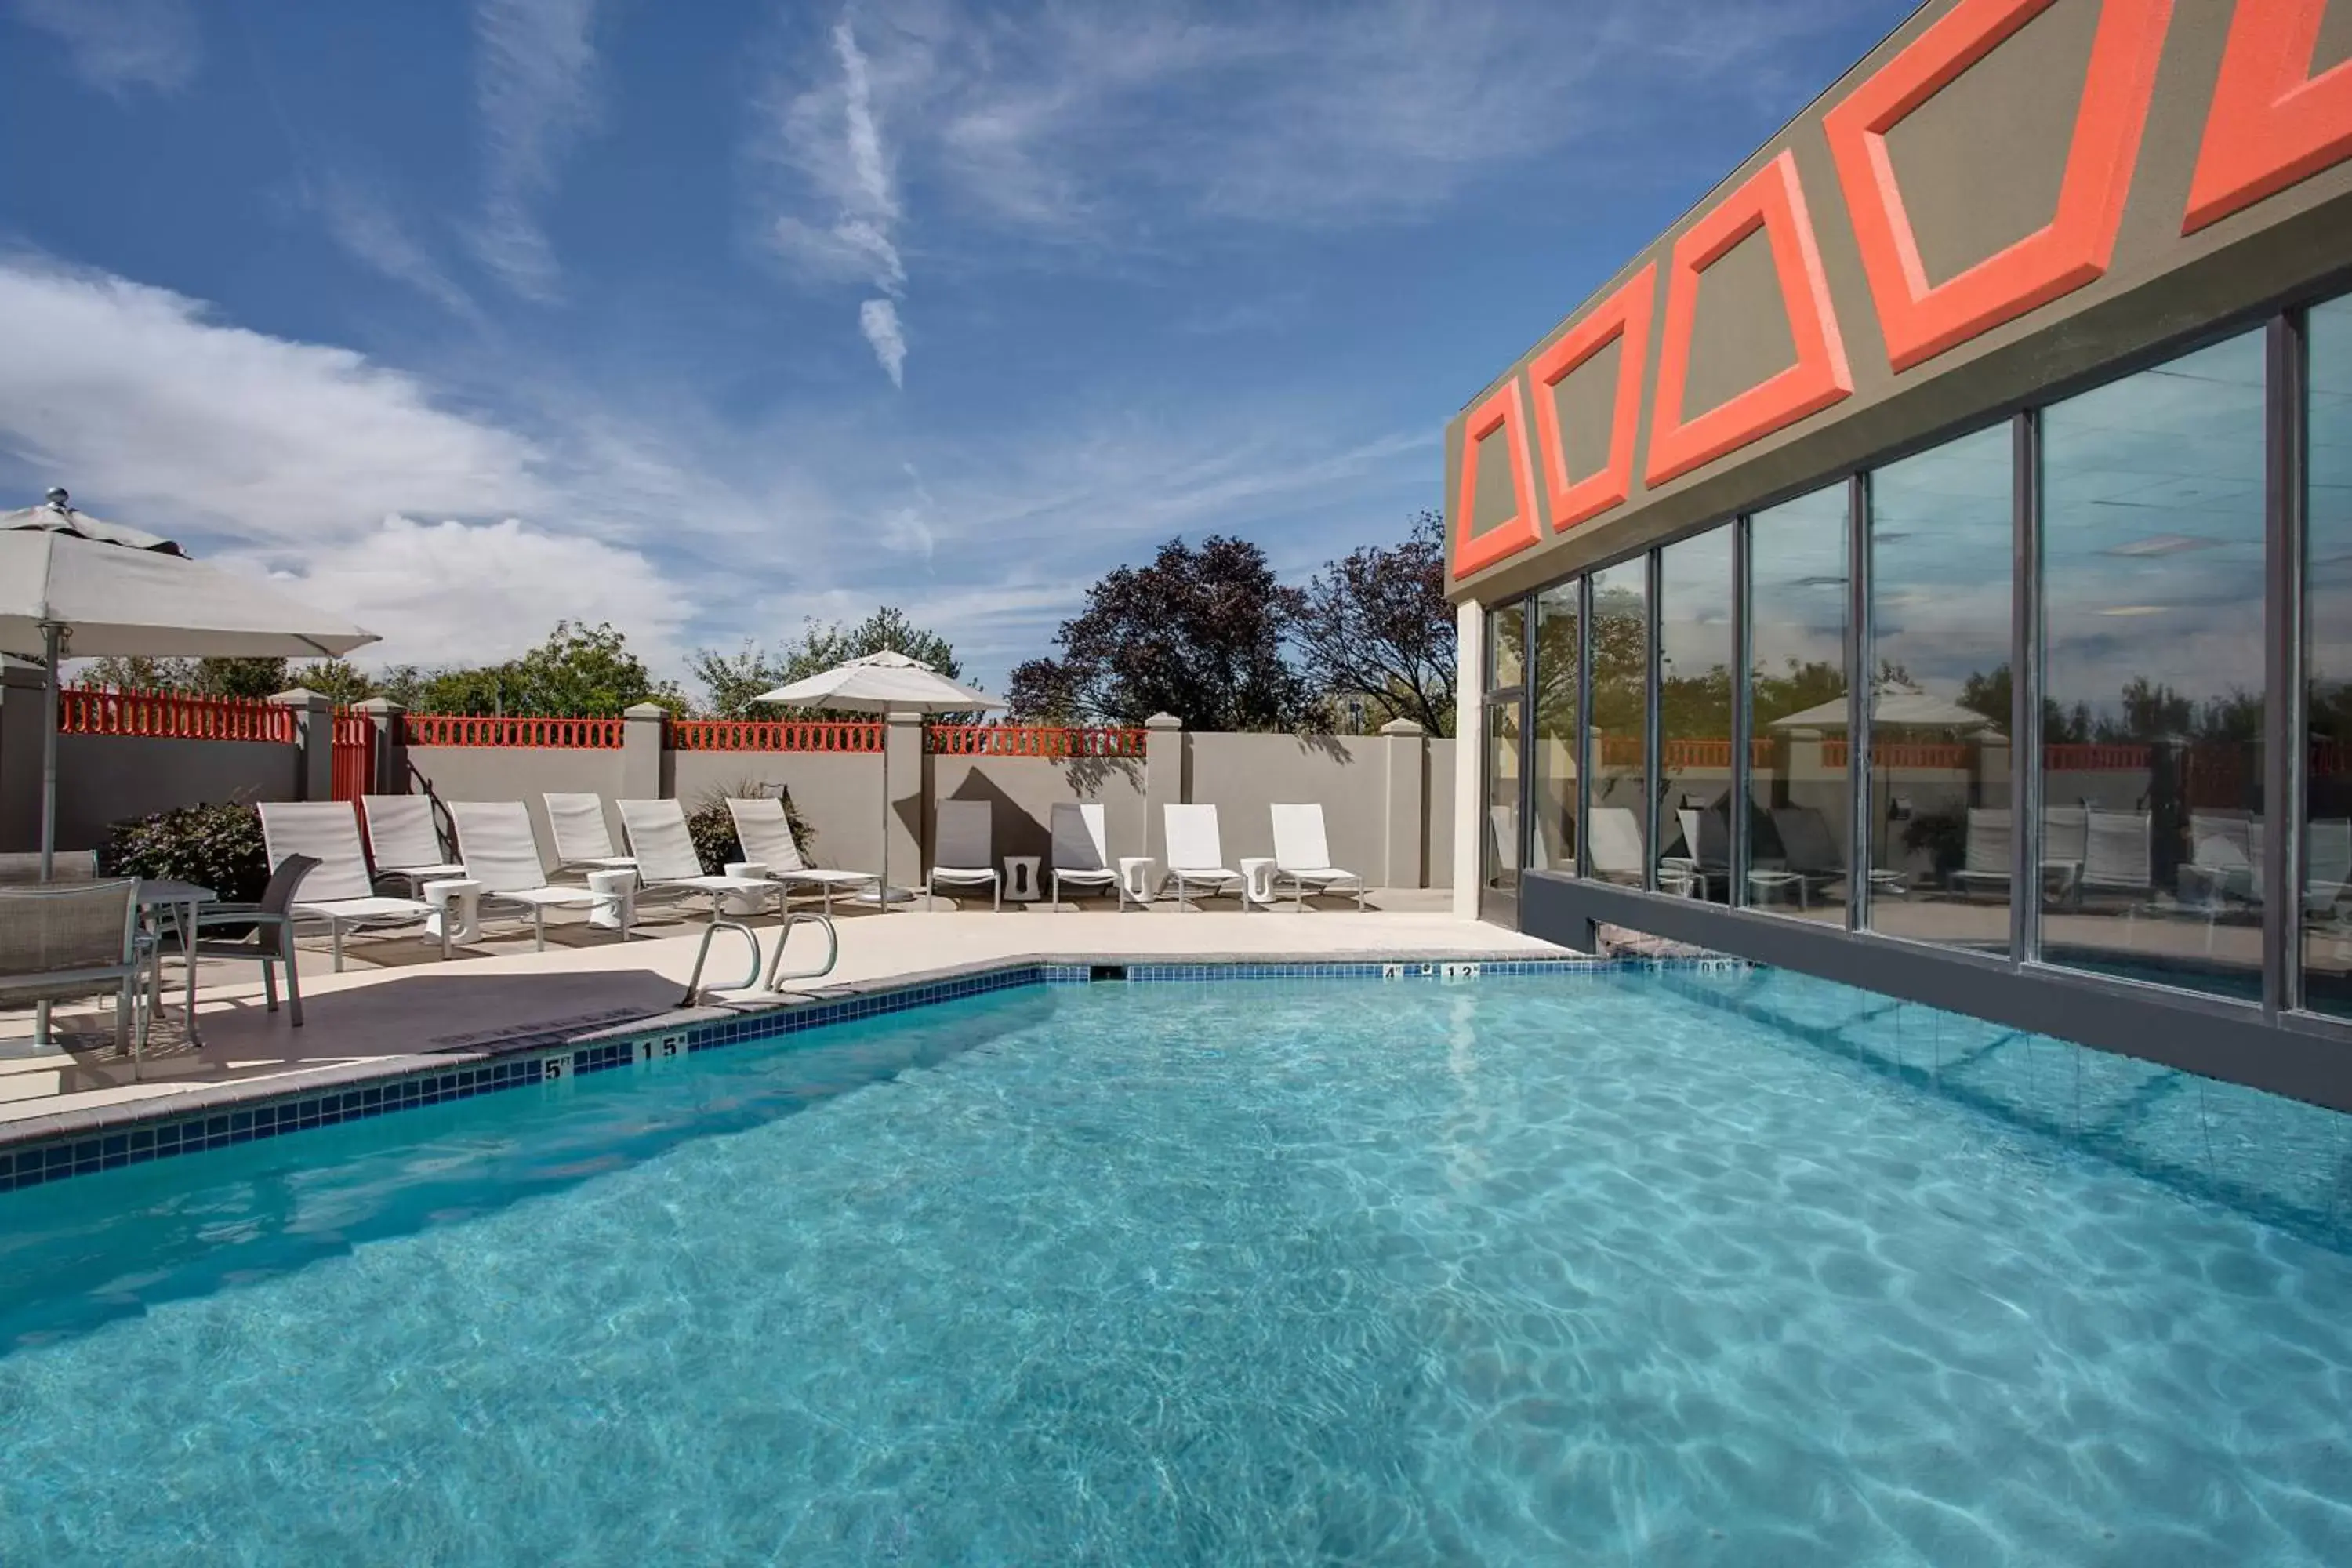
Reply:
x=751 y=976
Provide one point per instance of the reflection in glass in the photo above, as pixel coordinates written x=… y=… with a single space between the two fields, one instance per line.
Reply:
x=1696 y=658
x=1940 y=532
x=1797 y=835
x=2152 y=624
x=1620 y=667
x=2327 y=664
x=1501 y=828
x=1506 y=637
x=1553 y=844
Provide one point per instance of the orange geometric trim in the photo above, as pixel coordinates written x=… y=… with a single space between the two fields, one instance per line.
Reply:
x=1625 y=318
x=2273 y=122
x=1518 y=531
x=2074 y=247
x=1772 y=200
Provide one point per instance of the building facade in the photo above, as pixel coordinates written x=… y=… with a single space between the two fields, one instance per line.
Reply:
x=1929 y=563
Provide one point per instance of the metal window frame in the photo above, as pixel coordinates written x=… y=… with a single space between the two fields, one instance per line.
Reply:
x=2025 y=688
x=1860 y=682
x=1653 y=753
x=1529 y=828
x=2285 y=720
x=1584 y=725
x=1742 y=803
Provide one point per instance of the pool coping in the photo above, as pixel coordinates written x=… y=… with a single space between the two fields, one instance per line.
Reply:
x=36 y=1149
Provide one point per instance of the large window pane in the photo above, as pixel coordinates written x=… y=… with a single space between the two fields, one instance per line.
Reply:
x=1940 y=532
x=1506 y=637
x=1554 y=752
x=1696 y=659
x=1501 y=828
x=2327 y=654
x=2152 y=765
x=1615 y=832
x=1796 y=694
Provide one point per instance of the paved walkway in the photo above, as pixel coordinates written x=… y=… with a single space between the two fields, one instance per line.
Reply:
x=396 y=999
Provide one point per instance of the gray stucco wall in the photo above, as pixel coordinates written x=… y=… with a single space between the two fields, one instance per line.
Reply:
x=1023 y=790
x=1438 y=786
x=105 y=779
x=837 y=793
x=1243 y=775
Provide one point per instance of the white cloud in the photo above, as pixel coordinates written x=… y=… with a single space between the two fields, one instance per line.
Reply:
x=878 y=320
x=830 y=133
x=534 y=85
x=136 y=394
x=360 y=221
x=117 y=44
x=457 y=593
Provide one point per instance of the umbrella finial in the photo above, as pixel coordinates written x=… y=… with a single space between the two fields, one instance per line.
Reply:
x=58 y=496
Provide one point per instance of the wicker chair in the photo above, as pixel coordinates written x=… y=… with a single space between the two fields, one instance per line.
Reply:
x=61 y=942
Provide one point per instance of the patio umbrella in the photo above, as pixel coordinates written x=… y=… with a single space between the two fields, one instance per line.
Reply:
x=1896 y=704
x=886 y=682
x=71 y=586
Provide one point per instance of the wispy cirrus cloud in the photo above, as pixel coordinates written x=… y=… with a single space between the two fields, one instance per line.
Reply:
x=117 y=44
x=363 y=221
x=535 y=90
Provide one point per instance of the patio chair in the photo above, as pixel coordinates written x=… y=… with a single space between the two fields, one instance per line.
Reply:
x=1195 y=853
x=1302 y=852
x=584 y=840
x=62 y=941
x=1614 y=836
x=1811 y=859
x=338 y=889
x=964 y=852
x=1502 y=838
x=662 y=852
x=2224 y=851
x=500 y=854
x=404 y=841
x=1082 y=849
x=19 y=870
x=2117 y=854
x=2327 y=864
x=766 y=835
x=270 y=941
x=1986 y=862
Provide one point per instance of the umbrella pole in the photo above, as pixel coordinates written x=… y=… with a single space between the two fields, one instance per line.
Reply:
x=51 y=639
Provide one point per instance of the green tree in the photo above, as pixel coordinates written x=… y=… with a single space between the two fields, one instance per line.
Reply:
x=579 y=672
x=1376 y=623
x=247 y=677
x=335 y=677
x=139 y=672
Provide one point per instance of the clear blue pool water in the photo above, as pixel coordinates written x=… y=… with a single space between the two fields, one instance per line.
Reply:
x=1533 y=1271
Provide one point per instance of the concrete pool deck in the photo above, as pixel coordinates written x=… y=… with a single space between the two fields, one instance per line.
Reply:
x=396 y=1002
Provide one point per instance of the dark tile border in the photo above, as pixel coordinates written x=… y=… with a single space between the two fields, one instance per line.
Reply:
x=38 y=1151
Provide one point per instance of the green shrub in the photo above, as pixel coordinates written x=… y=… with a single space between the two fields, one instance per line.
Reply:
x=712 y=829
x=217 y=845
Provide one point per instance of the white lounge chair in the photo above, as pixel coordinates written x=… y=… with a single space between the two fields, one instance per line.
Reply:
x=964 y=853
x=662 y=852
x=1195 y=854
x=1082 y=849
x=1614 y=838
x=2224 y=850
x=339 y=890
x=2117 y=854
x=2327 y=864
x=584 y=840
x=1302 y=852
x=500 y=853
x=404 y=841
x=766 y=835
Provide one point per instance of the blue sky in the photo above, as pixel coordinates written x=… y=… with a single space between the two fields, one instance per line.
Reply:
x=707 y=318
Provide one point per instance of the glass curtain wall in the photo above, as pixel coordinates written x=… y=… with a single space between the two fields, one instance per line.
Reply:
x=2326 y=873
x=1696 y=662
x=1797 y=811
x=1615 y=828
x=1506 y=666
x=1940 y=827
x=1553 y=755
x=2153 y=507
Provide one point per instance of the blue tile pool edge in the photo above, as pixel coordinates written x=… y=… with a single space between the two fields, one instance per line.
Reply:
x=104 y=1138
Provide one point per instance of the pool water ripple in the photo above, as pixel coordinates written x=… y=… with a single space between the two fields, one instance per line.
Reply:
x=1528 y=1271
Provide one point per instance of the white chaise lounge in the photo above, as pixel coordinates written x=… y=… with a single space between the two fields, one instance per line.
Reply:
x=404 y=841
x=662 y=852
x=501 y=854
x=1302 y=853
x=1082 y=849
x=339 y=890
x=1196 y=855
x=964 y=852
x=766 y=835
x=584 y=840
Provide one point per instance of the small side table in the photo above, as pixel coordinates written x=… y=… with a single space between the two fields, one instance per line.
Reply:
x=457 y=914
x=1257 y=881
x=1135 y=874
x=1021 y=878
x=745 y=903
x=617 y=900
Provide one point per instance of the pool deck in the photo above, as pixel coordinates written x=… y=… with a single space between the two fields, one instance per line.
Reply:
x=396 y=1006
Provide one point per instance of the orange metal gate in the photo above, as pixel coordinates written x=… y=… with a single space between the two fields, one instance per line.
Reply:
x=354 y=769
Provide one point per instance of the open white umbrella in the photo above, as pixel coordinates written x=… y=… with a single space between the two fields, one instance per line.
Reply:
x=71 y=586
x=1896 y=705
x=886 y=682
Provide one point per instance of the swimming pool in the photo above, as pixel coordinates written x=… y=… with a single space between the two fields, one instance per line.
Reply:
x=1631 y=1268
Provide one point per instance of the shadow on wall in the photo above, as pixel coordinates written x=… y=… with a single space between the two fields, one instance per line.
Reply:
x=1016 y=831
